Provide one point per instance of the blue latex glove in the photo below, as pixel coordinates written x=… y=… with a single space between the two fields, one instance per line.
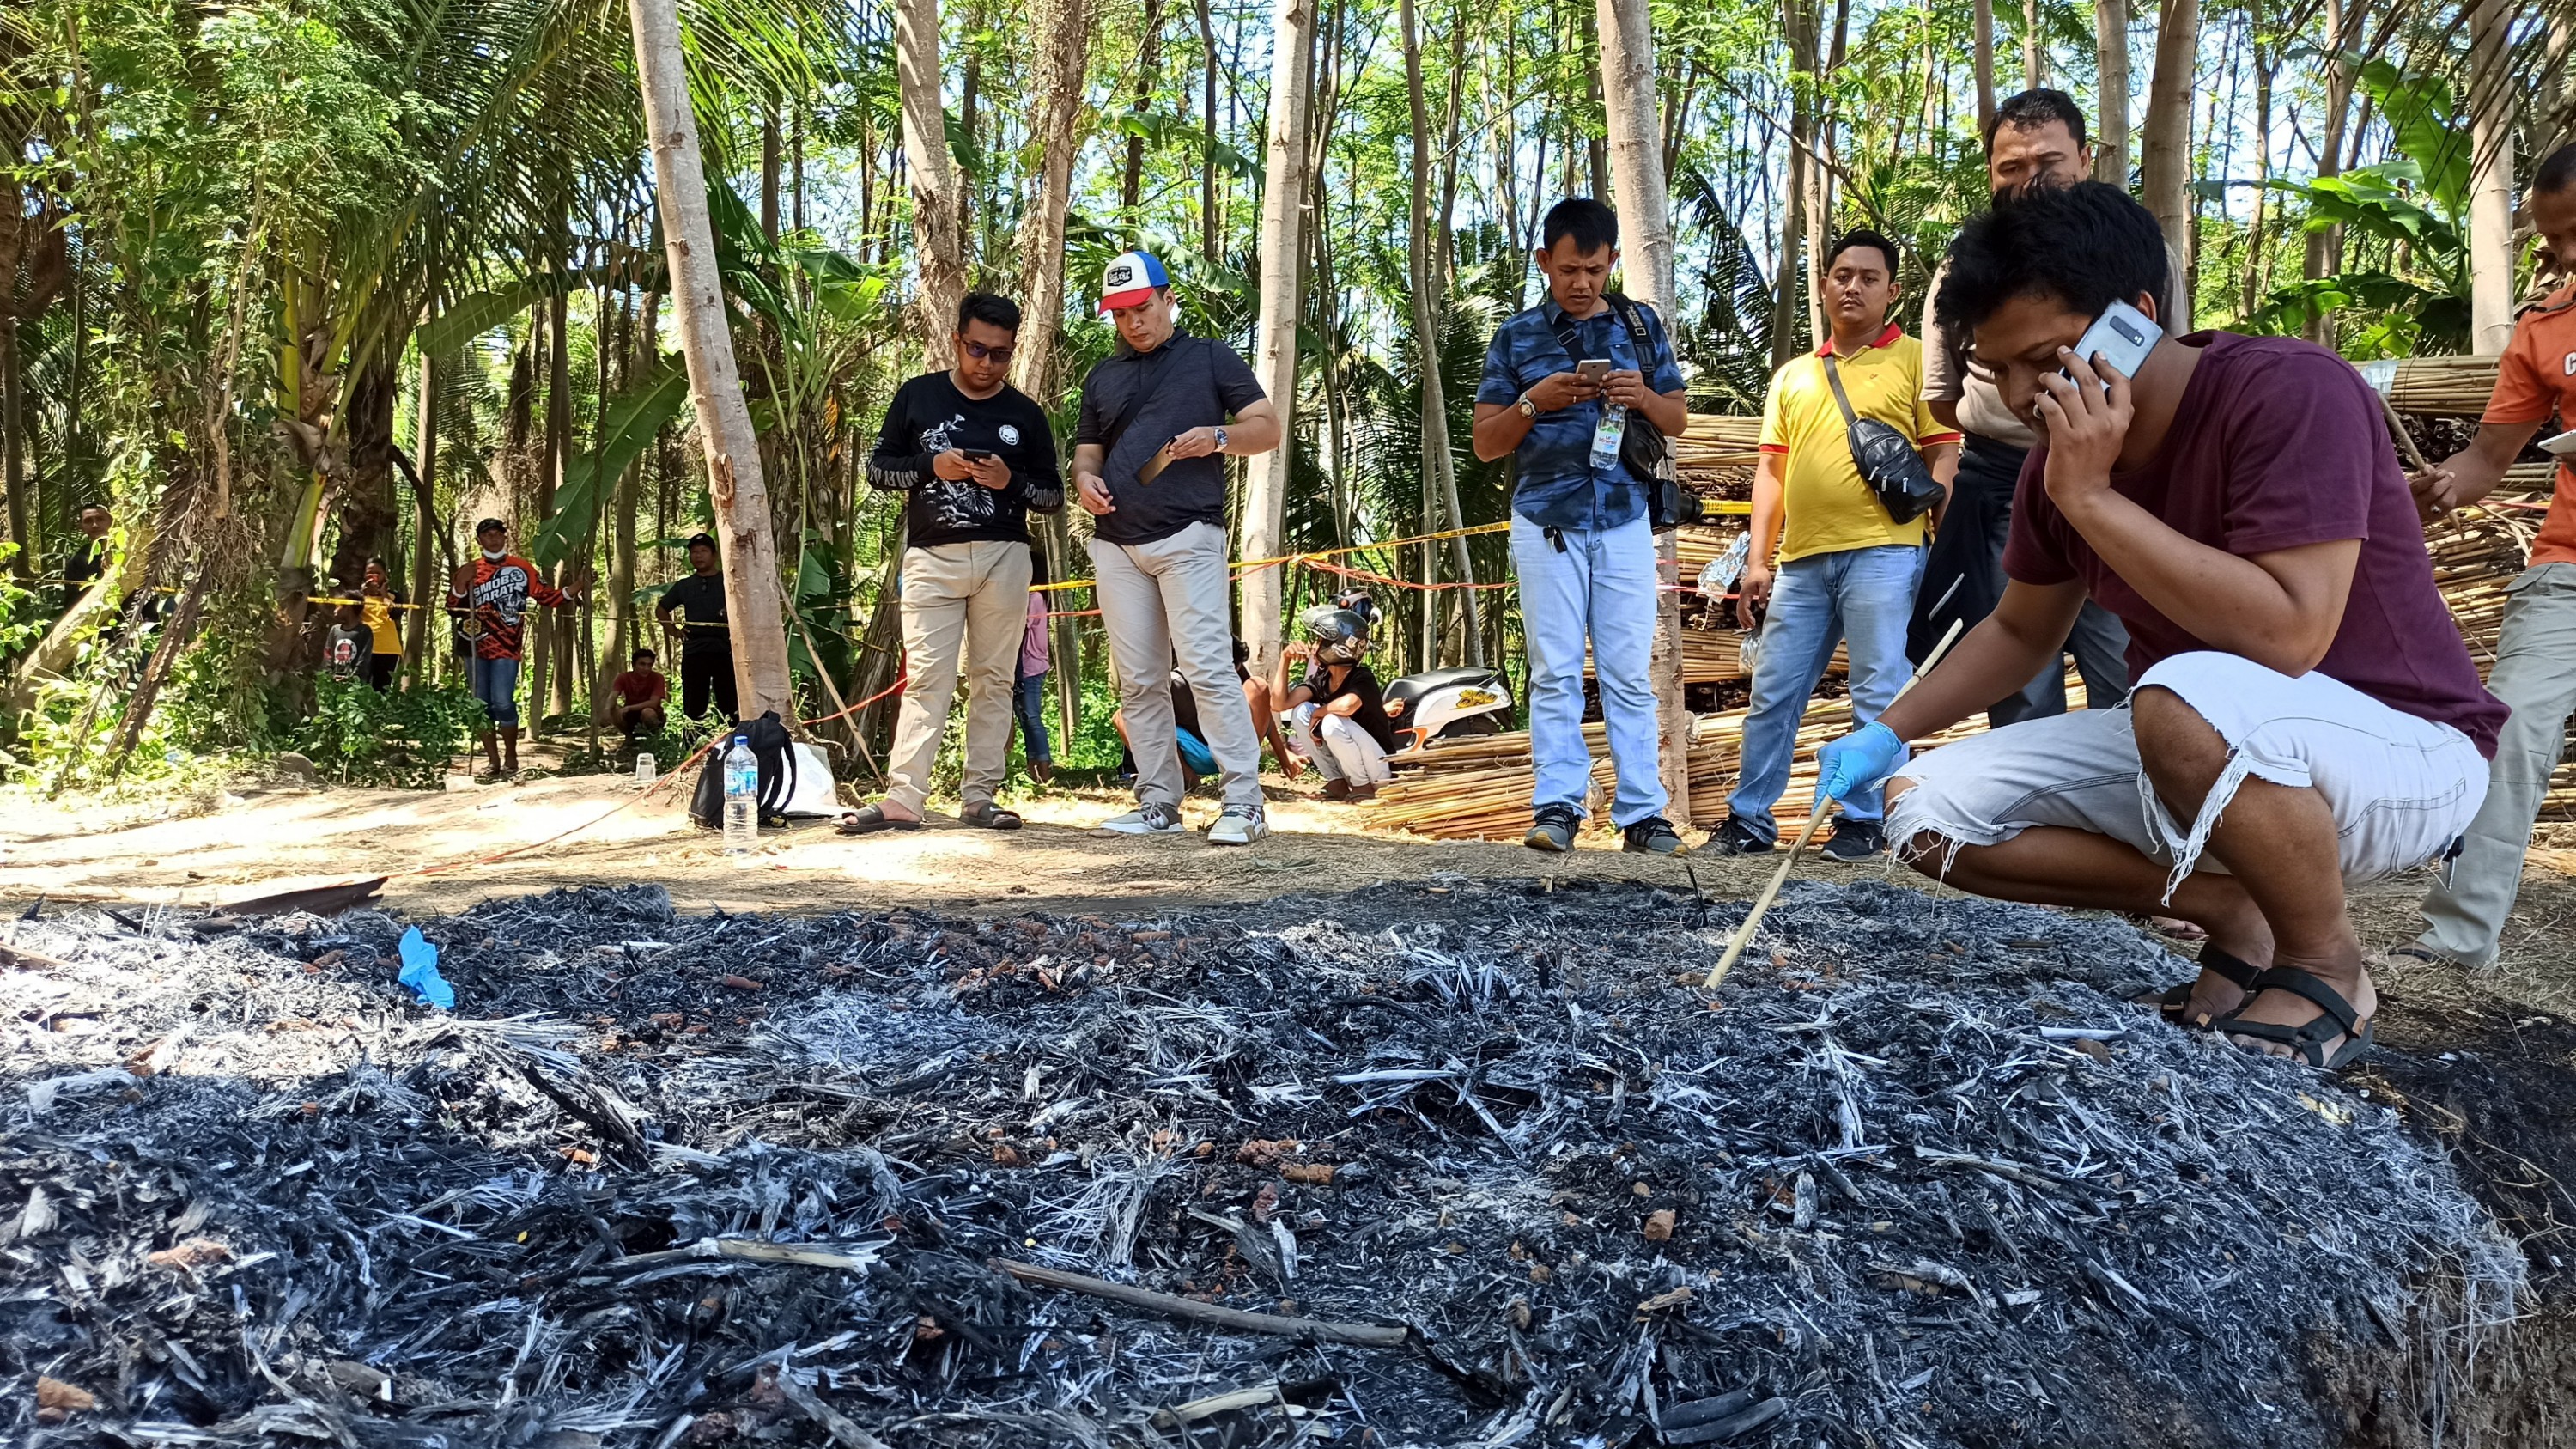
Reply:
x=1865 y=757
x=420 y=972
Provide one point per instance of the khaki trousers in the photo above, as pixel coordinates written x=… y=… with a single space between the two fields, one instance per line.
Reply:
x=963 y=603
x=2535 y=675
x=1166 y=605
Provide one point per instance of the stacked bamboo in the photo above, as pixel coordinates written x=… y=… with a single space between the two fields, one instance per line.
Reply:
x=1715 y=656
x=1715 y=441
x=2436 y=386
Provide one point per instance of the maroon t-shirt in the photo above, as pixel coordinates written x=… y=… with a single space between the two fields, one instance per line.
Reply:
x=2279 y=444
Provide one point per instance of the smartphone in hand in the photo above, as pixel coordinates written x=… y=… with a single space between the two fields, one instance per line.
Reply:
x=977 y=455
x=2121 y=337
x=1593 y=369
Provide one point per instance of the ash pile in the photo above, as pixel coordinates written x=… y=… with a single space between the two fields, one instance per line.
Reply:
x=1920 y=1175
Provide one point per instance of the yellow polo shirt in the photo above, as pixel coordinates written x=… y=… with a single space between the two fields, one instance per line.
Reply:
x=1825 y=506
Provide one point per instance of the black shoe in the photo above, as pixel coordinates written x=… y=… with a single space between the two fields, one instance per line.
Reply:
x=1737 y=838
x=1653 y=835
x=1856 y=840
x=1552 y=828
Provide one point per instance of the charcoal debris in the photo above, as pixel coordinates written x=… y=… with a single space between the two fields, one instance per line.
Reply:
x=1919 y=1175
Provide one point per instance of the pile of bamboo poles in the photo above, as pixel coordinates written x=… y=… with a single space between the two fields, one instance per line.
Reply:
x=2454 y=387
x=1716 y=441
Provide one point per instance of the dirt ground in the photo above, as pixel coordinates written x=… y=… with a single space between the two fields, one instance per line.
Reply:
x=2484 y=1062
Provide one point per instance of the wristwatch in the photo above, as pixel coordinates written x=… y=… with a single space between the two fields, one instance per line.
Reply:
x=1526 y=408
x=1220 y=440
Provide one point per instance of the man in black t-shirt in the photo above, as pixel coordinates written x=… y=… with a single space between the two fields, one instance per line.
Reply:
x=972 y=456
x=1156 y=417
x=706 y=640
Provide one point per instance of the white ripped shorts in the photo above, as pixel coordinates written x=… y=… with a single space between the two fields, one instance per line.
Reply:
x=2402 y=789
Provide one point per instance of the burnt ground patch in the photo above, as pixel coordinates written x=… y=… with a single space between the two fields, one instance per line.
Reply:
x=1920 y=1174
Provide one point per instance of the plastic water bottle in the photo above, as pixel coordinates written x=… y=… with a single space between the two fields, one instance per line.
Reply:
x=644 y=770
x=1608 y=436
x=742 y=797
x=1748 y=654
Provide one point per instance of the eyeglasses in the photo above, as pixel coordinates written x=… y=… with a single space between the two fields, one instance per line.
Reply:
x=982 y=353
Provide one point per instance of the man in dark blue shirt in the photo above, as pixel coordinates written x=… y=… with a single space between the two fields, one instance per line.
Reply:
x=1560 y=380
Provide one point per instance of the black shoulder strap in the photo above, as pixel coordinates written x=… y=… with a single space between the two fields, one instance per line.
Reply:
x=1117 y=428
x=1834 y=380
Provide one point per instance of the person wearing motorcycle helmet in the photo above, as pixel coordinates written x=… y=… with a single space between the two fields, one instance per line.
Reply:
x=1340 y=709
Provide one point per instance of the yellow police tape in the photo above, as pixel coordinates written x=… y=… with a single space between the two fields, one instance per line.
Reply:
x=1712 y=505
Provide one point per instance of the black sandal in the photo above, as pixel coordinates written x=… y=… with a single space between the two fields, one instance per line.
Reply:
x=989 y=816
x=2335 y=1018
x=869 y=819
x=2178 y=1000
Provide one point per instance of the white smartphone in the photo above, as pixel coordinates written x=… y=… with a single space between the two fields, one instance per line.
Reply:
x=2561 y=446
x=2121 y=337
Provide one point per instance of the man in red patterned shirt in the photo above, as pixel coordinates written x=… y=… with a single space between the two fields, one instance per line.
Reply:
x=492 y=593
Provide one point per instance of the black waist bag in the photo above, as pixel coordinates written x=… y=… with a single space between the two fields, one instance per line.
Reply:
x=1887 y=459
x=769 y=743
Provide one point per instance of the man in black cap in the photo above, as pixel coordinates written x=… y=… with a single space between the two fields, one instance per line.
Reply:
x=706 y=643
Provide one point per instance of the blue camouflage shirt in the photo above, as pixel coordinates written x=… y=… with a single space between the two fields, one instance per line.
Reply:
x=1554 y=484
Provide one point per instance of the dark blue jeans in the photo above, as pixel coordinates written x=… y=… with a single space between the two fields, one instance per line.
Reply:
x=1028 y=705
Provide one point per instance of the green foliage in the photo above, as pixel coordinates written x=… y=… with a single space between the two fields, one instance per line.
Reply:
x=407 y=738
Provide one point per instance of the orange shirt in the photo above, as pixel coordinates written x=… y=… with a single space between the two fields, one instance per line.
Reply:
x=2538 y=377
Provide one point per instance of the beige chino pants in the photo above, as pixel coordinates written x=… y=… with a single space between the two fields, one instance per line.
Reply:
x=963 y=603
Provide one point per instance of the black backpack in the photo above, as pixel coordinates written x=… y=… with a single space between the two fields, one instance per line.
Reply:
x=769 y=743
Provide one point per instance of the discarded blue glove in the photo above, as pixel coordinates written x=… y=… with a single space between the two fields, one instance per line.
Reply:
x=420 y=972
x=1858 y=760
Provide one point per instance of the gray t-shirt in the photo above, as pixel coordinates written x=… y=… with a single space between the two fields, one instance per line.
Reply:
x=1135 y=402
x=1981 y=407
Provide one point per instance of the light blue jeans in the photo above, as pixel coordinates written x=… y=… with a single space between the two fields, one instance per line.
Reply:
x=1861 y=597
x=1600 y=585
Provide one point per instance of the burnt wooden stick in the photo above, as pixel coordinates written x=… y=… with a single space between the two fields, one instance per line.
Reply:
x=2397 y=426
x=1744 y=934
x=1311 y=1330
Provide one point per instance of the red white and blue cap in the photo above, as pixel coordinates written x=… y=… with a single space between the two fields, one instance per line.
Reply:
x=1130 y=278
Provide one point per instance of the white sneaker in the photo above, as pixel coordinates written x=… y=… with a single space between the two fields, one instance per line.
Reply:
x=1239 y=825
x=1146 y=819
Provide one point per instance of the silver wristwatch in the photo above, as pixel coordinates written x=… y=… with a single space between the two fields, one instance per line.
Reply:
x=1526 y=408
x=1220 y=440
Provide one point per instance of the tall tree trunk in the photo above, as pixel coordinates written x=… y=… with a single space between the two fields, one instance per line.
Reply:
x=2165 y=141
x=2325 y=246
x=550 y=693
x=769 y=173
x=1636 y=155
x=419 y=657
x=936 y=249
x=2111 y=131
x=13 y=462
x=1149 y=64
x=1207 y=160
x=1797 y=295
x=2491 y=279
x=734 y=480
x=2034 y=45
x=2257 y=269
x=1439 y=469
x=366 y=512
x=1983 y=26
x=1060 y=42
x=1283 y=197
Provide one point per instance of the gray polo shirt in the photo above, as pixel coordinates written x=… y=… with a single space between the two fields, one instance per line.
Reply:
x=1981 y=408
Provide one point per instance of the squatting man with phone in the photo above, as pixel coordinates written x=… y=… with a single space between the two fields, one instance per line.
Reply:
x=1564 y=381
x=2305 y=714
x=1158 y=417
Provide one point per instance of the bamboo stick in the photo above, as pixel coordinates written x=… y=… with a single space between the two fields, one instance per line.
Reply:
x=1762 y=903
